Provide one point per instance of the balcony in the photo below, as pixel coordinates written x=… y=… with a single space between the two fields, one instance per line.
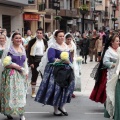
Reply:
x=68 y=13
x=14 y=2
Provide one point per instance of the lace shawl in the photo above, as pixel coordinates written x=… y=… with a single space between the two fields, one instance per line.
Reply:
x=44 y=59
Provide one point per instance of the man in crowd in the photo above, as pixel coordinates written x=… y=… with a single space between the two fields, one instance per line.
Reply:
x=92 y=50
x=36 y=49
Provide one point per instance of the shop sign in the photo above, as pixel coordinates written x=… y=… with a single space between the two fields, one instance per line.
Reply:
x=69 y=21
x=31 y=17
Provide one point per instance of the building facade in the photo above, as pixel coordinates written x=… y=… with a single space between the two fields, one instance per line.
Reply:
x=107 y=15
x=11 y=15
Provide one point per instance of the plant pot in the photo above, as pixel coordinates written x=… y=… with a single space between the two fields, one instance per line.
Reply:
x=58 y=18
x=114 y=19
x=83 y=11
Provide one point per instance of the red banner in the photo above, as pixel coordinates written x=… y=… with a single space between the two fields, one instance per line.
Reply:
x=31 y=17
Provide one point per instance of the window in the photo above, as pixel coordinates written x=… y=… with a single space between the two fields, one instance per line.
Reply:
x=6 y=23
x=99 y=1
x=31 y=1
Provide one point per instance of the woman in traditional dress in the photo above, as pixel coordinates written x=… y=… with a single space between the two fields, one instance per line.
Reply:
x=50 y=92
x=77 y=71
x=14 y=78
x=106 y=69
x=113 y=84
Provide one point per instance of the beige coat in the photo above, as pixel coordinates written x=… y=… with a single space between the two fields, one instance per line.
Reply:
x=99 y=45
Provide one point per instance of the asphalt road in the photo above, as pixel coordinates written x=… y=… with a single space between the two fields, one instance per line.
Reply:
x=80 y=108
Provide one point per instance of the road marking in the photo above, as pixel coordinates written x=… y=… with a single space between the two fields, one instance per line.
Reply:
x=93 y=113
x=38 y=112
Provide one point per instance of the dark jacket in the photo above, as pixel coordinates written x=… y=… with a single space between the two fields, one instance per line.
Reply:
x=84 y=46
x=30 y=44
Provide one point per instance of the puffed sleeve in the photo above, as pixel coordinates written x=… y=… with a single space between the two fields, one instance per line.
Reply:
x=51 y=55
x=106 y=60
x=26 y=67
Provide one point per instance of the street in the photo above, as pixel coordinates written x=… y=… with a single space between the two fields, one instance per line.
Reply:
x=80 y=108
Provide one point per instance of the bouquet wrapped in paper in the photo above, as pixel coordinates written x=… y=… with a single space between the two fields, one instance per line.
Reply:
x=7 y=61
x=79 y=59
x=65 y=57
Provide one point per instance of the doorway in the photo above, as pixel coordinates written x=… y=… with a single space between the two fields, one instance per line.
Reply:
x=6 y=23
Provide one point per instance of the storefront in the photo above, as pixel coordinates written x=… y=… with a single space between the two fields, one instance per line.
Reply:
x=31 y=22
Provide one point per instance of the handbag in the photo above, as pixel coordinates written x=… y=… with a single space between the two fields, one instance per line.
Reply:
x=63 y=75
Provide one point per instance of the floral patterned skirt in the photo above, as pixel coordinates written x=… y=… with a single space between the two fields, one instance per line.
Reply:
x=49 y=93
x=12 y=100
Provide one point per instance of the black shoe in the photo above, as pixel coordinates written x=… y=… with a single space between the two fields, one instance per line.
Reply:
x=65 y=113
x=60 y=114
x=82 y=62
x=91 y=60
x=9 y=117
x=85 y=62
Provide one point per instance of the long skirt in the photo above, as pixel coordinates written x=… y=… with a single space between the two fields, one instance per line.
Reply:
x=12 y=93
x=49 y=93
x=117 y=101
x=99 y=92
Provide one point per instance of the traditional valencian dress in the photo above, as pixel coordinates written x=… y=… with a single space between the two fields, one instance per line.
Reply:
x=113 y=91
x=49 y=92
x=14 y=85
x=99 y=92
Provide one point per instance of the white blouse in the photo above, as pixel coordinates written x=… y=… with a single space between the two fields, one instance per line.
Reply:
x=40 y=48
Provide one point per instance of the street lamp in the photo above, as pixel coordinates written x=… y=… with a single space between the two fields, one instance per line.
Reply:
x=56 y=6
x=83 y=11
x=94 y=15
x=43 y=21
x=114 y=9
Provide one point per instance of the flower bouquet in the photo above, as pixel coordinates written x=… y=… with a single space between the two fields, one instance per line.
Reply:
x=79 y=60
x=64 y=56
x=7 y=61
